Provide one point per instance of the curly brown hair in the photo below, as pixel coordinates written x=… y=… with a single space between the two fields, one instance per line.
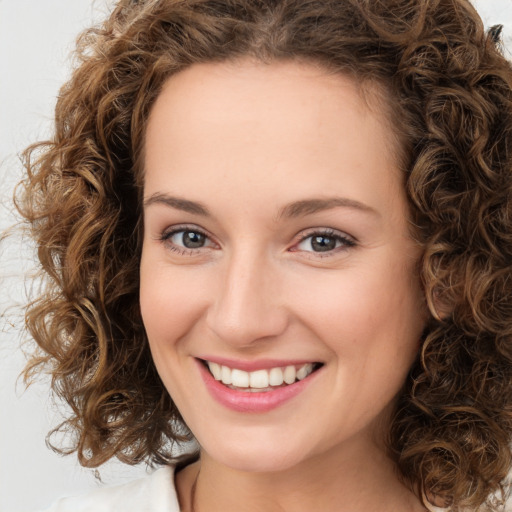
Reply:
x=449 y=97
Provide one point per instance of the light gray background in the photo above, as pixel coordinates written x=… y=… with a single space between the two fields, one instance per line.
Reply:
x=36 y=38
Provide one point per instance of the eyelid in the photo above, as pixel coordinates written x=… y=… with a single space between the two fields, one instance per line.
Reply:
x=172 y=230
x=325 y=231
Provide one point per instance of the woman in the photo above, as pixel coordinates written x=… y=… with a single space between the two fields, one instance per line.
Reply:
x=282 y=229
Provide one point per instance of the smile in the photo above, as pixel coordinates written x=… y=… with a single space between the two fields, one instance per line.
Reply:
x=260 y=380
x=257 y=390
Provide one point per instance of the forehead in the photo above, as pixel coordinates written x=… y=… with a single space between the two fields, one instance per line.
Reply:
x=242 y=124
x=230 y=92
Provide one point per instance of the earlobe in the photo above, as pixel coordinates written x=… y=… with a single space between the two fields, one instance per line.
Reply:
x=440 y=501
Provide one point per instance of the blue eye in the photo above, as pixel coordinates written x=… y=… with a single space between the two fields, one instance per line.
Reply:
x=186 y=240
x=324 y=242
x=189 y=239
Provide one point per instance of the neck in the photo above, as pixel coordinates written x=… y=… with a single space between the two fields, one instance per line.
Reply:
x=353 y=481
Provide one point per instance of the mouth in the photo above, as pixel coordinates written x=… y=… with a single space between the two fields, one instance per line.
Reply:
x=260 y=381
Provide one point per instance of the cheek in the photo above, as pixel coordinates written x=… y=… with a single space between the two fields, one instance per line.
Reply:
x=170 y=301
x=170 y=307
x=362 y=299
x=371 y=319
x=169 y=295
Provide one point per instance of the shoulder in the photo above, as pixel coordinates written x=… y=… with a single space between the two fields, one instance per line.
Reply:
x=153 y=493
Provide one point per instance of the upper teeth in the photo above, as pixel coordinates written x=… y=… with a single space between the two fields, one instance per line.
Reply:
x=260 y=378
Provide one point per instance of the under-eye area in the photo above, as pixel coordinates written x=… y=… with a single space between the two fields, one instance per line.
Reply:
x=260 y=380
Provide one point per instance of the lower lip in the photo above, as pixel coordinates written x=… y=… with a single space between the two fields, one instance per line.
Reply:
x=246 y=401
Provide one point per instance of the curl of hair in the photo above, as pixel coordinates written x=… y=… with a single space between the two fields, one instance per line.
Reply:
x=449 y=102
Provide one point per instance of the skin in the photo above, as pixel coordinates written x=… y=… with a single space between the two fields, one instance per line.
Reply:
x=244 y=140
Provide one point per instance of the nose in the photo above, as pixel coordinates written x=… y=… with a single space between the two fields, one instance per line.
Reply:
x=247 y=307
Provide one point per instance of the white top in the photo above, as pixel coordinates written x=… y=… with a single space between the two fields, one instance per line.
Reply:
x=153 y=493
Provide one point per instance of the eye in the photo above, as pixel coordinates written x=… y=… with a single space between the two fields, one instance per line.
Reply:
x=324 y=241
x=186 y=240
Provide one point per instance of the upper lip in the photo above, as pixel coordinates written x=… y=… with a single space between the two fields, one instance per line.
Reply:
x=259 y=364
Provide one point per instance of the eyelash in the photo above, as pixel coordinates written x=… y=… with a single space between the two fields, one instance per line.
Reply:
x=182 y=251
x=346 y=242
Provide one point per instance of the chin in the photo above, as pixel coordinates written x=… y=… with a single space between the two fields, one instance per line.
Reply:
x=263 y=457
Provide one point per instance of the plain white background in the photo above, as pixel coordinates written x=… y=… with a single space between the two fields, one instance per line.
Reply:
x=36 y=39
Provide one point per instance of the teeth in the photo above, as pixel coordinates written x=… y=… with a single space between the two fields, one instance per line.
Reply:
x=304 y=371
x=259 y=379
x=289 y=374
x=216 y=370
x=275 y=377
x=239 y=379
x=225 y=375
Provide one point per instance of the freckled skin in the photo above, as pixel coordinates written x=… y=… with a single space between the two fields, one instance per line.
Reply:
x=244 y=140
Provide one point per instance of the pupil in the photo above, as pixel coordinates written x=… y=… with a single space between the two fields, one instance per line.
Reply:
x=323 y=243
x=193 y=240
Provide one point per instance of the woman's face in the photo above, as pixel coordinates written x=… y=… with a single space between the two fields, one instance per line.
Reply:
x=276 y=237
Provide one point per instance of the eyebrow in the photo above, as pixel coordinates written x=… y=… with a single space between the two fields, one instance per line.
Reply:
x=178 y=203
x=296 y=209
x=314 y=205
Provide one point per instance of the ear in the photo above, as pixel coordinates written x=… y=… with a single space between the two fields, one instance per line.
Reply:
x=440 y=501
